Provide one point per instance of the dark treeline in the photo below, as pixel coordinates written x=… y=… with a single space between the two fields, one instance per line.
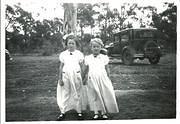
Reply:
x=24 y=34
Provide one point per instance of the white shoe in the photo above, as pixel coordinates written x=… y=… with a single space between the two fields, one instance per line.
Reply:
x=61 y=117
x=96 y=116
x=104 y=116
x=79 y=115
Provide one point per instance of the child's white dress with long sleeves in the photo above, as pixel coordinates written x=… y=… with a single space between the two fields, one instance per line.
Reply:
x=69 y=96
x=101 y=94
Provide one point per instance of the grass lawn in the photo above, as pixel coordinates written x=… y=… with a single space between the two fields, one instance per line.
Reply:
x=143 y=91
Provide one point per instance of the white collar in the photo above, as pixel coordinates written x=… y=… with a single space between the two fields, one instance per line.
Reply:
x=97 y=56
x=71 y=53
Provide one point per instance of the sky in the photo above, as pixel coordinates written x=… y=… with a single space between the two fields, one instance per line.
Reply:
x=48 y=9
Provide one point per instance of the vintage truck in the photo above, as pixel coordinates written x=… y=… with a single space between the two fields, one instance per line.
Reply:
x=136 y=43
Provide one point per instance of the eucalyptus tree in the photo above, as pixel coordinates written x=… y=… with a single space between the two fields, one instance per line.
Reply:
x=85 y=14
x=166 y=22
x=20 y=24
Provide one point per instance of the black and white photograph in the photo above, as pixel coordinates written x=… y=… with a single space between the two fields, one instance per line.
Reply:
x=89 y=61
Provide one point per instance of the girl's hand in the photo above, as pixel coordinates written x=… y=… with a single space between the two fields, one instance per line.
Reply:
x=61 y=83
x=107 y=71
x=108 y=76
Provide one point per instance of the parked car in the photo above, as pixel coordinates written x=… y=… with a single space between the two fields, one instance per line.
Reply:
x=8 y=55
x=136 y=43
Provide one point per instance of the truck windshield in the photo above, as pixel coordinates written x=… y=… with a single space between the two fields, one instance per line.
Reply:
x=144 y=34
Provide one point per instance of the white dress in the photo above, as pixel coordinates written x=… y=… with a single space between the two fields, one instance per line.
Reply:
x=69 y=96
x=100 y=90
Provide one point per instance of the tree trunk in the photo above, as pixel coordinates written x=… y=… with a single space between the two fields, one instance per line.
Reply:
x=70 y=18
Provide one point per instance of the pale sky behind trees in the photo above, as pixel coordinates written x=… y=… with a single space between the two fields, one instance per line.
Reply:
x=48 y=9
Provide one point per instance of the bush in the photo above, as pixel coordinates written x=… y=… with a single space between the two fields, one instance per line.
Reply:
x=47 y=48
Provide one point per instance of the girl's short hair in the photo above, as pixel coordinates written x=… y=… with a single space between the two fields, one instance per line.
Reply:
x=73 y=38
x=96 y=40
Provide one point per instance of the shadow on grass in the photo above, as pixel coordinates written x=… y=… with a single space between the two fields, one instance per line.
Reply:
x=136 y=64
x=87 y=115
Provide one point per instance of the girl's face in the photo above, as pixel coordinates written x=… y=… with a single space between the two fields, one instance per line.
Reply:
x=71 y=44
x=95 y=47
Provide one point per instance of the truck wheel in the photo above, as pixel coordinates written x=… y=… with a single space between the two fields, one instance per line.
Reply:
x=154 y=59
x=150 y=44
x=127 y=57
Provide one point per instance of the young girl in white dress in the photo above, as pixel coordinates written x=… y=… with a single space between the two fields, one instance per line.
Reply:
x=100 y=90
x=69 y=88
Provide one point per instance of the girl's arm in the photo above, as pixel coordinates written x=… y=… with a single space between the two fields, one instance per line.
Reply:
x=61 y=83
x=107 y=70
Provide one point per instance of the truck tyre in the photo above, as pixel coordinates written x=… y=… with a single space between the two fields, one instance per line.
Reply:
x=154 y=59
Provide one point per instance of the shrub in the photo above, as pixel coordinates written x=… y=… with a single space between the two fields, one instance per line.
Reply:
x=47 y=48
